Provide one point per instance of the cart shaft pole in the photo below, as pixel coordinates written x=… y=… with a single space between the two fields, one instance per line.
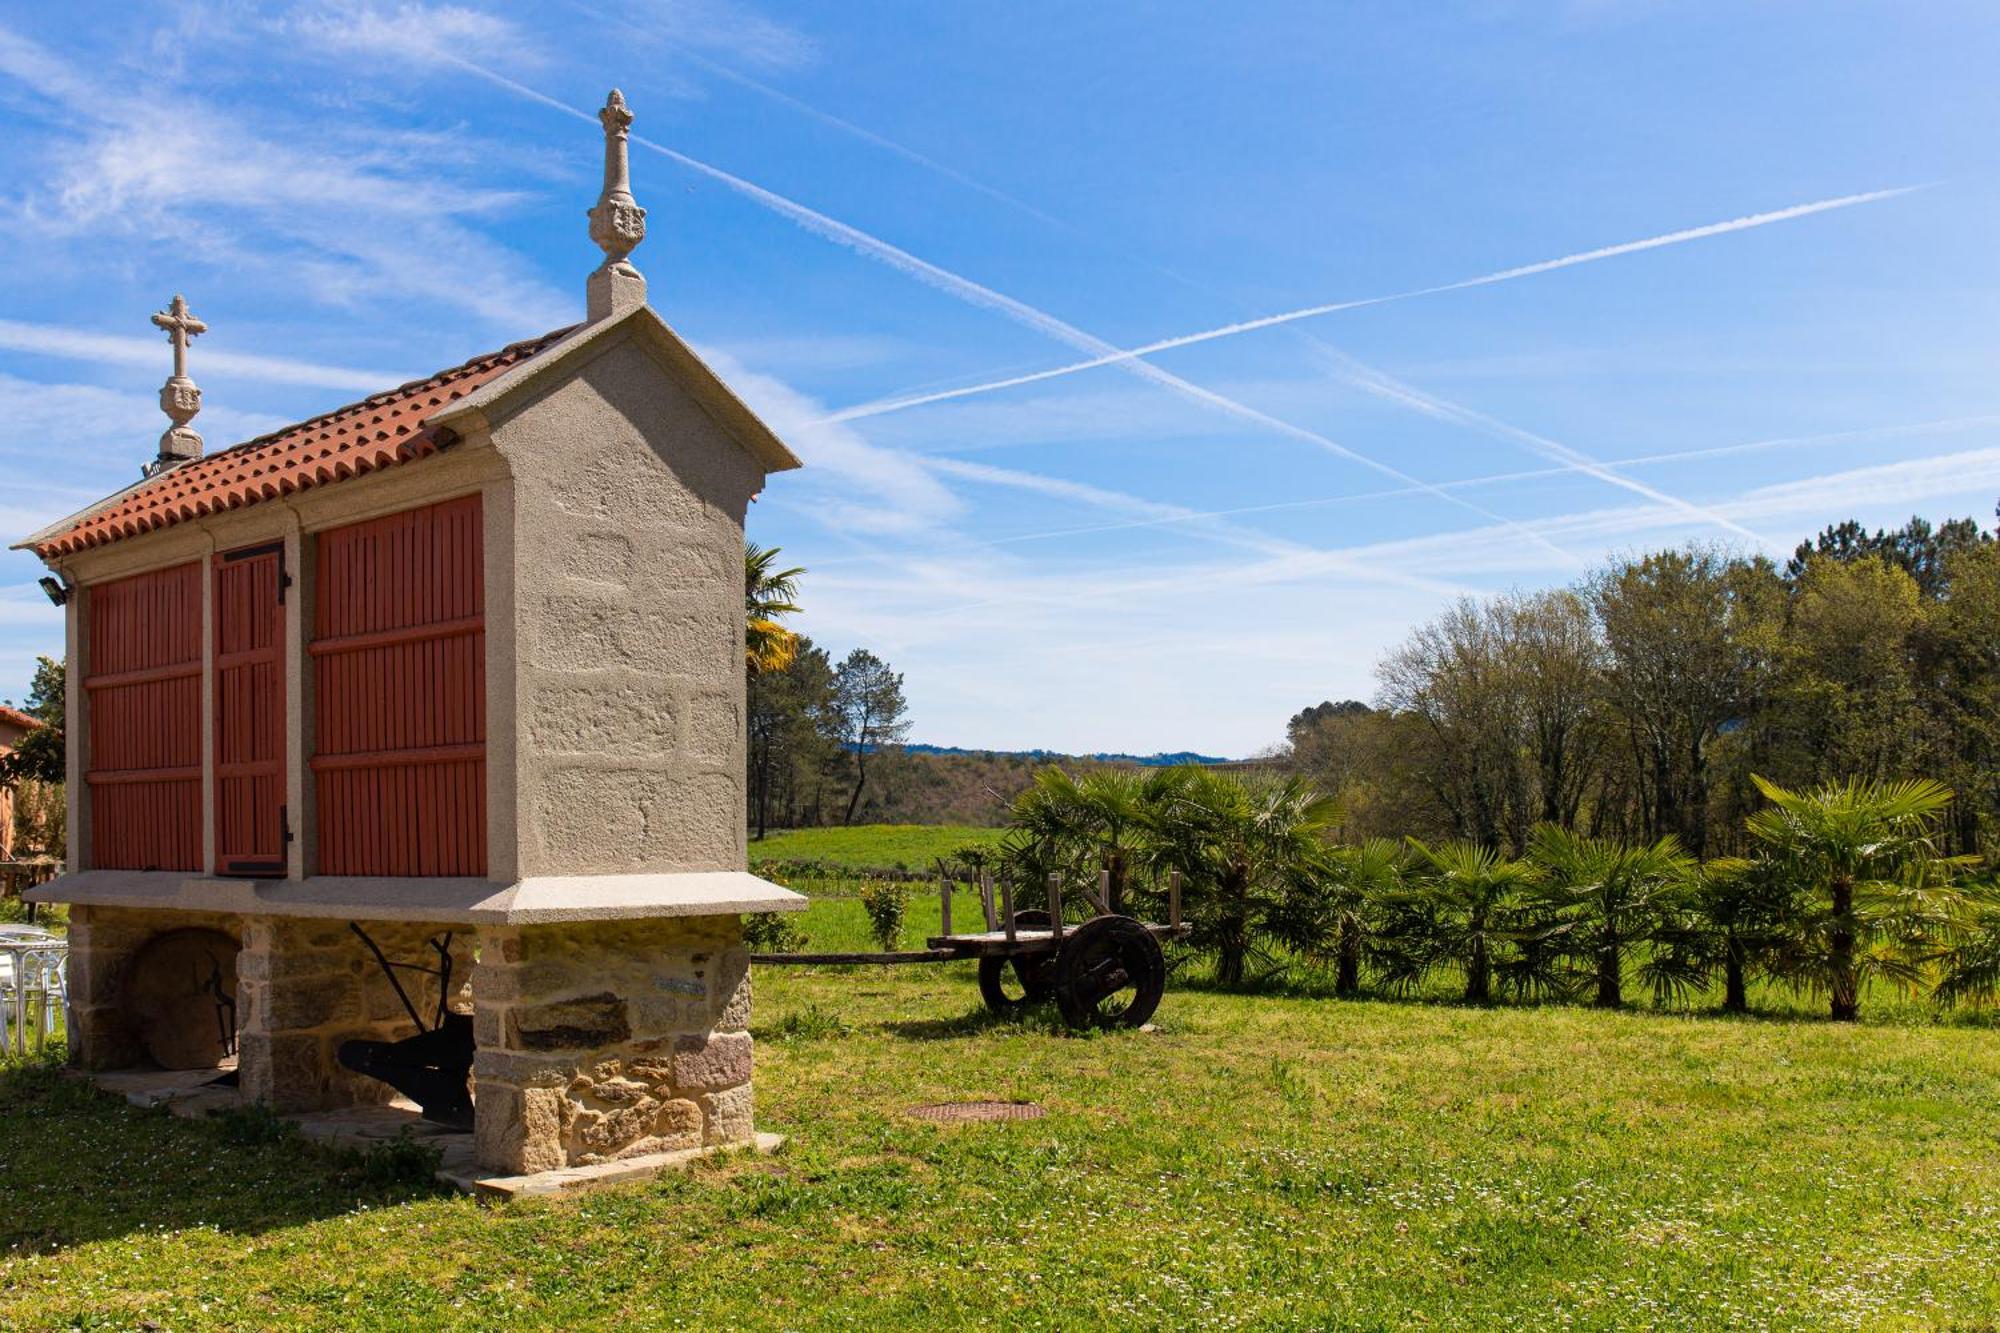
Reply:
x=1007 y=906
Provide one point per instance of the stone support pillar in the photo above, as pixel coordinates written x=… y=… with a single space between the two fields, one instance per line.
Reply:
x=610 y=1039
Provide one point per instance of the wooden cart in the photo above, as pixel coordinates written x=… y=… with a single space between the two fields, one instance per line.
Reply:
x=1107 y=971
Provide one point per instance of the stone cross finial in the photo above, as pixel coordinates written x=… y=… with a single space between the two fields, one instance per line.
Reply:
x=180 y=399
x=617 y=224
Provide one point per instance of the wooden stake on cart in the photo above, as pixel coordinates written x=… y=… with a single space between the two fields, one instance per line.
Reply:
x=1007 y=906
x=944 y=903
x=1055 y=907
x=986 y=900
x=1174 y=900
x=1104 y=907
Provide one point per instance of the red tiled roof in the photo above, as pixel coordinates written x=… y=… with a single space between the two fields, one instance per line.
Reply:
x=14 y=717
x=377 y=432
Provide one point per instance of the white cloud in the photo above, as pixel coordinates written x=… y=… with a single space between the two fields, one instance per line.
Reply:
x=422 y=32
x=128 y=350
x=344 y=223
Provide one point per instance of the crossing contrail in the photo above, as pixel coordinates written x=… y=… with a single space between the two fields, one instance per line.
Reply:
x=974 y=293
x=885 y=405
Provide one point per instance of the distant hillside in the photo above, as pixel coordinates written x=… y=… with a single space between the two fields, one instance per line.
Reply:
x=1056 y=757
x=936 y=784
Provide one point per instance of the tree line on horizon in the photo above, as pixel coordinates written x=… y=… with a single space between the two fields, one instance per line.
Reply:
x=1643 y=701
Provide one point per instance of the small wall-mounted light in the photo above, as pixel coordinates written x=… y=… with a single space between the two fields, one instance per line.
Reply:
x=57 y=590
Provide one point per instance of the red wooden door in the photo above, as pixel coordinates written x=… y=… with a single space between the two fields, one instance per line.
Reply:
x=143 y=769
x=399 y=694
x=251 y=825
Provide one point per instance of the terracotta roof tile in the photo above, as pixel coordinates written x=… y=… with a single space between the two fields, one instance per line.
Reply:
x=377 y=432
x=14 y=717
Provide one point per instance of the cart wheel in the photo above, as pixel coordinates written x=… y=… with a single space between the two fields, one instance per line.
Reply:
x=1009 y=985
x=1109 y=974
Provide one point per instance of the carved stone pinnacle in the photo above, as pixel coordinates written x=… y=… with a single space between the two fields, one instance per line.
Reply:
x=617 y=223
x=180 y=397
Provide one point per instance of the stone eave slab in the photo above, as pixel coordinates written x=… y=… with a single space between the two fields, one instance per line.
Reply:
x=537 y=900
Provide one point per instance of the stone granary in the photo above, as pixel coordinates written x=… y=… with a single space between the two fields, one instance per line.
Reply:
x=460 y=664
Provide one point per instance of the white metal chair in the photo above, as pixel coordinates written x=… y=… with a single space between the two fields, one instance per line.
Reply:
x=34 y=986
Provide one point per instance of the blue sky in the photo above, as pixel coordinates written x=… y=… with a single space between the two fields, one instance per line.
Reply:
x=854 y=206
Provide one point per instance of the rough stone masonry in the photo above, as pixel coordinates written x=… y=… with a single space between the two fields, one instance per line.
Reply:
x=604 y=1040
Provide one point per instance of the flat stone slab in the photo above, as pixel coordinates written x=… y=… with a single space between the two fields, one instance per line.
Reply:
x=539 y=900
x=574 y=1179
x=190 y=1095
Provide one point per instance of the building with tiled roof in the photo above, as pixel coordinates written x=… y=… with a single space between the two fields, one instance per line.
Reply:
x=461 y=665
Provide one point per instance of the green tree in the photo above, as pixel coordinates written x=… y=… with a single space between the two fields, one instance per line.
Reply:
x=1610 y=899
x=1745 y=905
x=1968 y=964
x=793 y=734
x=1863 y=857
x=1099 y=820
x=1463 y=907
x=1248 y=851
x=41 y=755
x=1362 y=877
x=1688 y=635
x=1919 y=550
x=868 y=705
x=1844 y=695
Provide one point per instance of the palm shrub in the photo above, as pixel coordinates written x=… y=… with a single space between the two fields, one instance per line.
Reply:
x=1874 y=894
x=1743 y=905
x=1968 y=963
x=1608 y=899
x=1465 y=905
x=1252 y=856
x=1360 y=878
x=1101 y=821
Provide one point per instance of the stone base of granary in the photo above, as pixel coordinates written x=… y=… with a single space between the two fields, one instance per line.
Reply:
x=102 y=943
x=603 y=1042
x=192 y=1095
x=302 y=987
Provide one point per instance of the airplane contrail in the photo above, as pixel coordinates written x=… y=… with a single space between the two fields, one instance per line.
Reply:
x=1384 y=385
x=886 y=405
x=1939 y=426
x=974 y=293
x=1365 y=377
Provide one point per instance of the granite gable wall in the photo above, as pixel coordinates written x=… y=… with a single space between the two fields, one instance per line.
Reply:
x=627 y=548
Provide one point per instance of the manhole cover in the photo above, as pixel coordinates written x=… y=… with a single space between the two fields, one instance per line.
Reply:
x=960 y=1111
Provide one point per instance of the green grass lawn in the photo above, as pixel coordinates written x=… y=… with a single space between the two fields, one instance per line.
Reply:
x=1257 y=1161
x=911 y=846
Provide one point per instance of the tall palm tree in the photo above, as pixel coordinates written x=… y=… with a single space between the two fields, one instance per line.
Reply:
x=1463 y=907
x=768 y=593
x=1608 y=896
x=1247 y=852
x=1864 y=856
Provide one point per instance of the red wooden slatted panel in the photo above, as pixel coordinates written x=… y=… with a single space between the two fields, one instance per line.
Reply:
x=399 y=655
x=250 y=712
x=143 y=768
